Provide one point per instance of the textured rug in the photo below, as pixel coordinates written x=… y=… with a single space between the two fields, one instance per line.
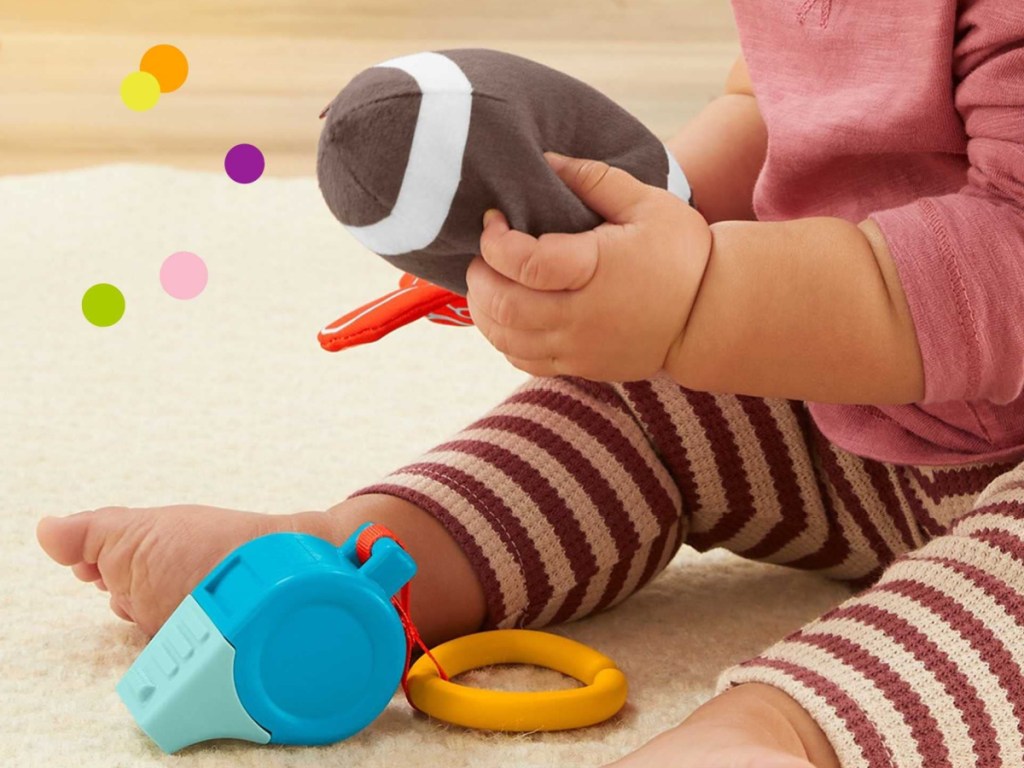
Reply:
x=227 y=399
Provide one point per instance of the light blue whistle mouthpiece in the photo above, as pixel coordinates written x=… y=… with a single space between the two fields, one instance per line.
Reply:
x=289 y=640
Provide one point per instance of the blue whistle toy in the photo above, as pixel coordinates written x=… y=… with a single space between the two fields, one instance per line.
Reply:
x=289 y=640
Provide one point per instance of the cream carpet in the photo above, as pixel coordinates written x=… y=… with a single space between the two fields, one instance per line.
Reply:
x=228 y=400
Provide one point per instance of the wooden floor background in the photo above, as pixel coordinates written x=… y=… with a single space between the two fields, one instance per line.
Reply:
x=261 y=70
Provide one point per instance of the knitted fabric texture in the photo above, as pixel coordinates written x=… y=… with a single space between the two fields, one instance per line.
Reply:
x=571 y=495
x=909 y=114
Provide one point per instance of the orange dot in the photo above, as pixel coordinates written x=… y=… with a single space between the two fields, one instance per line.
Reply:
x=167 y=64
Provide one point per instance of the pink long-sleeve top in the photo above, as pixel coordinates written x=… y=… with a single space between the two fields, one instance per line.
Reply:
x=910 y=113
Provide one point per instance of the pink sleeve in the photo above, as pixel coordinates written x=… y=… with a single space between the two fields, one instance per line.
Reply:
x=960 y=257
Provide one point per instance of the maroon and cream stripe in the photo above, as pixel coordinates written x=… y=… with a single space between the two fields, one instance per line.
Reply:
x=925 y=668
x=760 y=480
x=557 y=498
x=572 y=494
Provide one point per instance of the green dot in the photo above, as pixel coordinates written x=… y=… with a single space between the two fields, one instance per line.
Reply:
x=103 y=305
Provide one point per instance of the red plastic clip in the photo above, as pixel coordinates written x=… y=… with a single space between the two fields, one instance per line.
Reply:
x=401 y=601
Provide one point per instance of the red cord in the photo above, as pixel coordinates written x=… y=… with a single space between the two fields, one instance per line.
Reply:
x=364 y=546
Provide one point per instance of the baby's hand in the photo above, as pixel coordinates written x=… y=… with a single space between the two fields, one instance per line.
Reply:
x=608 y=304
x=744 y=726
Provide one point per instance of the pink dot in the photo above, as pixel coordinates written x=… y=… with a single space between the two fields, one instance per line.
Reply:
x=183 y=275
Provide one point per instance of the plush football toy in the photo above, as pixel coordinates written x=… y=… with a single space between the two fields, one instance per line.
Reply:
x=415 y=149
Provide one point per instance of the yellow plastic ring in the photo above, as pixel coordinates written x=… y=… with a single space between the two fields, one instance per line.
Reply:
x=602 y=695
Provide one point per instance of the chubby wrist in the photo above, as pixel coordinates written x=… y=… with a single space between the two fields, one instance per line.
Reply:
x=762 y=698
x=698 y=248
x=755 y=709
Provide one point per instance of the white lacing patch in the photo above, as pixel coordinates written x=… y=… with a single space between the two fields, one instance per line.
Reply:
x=434 y=169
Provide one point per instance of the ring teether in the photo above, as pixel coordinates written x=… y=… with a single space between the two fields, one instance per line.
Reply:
x=602 y=695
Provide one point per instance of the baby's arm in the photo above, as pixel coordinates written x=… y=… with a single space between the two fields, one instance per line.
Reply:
x=835 y=329
x=808 y=309
x=722 y=149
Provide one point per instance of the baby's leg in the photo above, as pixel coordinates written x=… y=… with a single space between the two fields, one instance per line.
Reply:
x=552 y=506
x=562 y=501
x=760 y=480
x=558 y=499
x=571 y=495
x=149 y=559
x=922 y=668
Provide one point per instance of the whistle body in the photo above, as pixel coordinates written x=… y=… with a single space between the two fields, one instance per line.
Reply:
x=289 y=640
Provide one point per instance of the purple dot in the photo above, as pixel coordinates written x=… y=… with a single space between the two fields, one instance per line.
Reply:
x=244 y=163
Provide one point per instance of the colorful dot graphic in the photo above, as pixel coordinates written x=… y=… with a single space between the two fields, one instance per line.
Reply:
x=244 y=163
x=167 y=64
x=183 y=275
x=140 y=91
x=163 y=69
x=103 y=305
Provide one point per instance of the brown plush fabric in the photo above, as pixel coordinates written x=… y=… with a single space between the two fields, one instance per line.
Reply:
x=365 y=144
x=520 y=109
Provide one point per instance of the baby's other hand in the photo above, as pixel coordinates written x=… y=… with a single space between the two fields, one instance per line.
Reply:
x=607 y=304
x=745 y=726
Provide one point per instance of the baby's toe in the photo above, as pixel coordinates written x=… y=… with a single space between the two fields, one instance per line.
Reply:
x=63 y=538
x=117 y=606
x=87 y=572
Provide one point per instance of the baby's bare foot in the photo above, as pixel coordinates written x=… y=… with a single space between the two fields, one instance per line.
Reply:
x=149 y=559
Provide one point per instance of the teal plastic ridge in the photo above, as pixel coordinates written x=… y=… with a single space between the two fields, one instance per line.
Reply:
x=181 y=688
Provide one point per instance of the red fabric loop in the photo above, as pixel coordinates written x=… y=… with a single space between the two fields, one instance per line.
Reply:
x=402 y=602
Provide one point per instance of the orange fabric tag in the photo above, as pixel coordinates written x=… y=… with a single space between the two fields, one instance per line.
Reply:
x=415 y=298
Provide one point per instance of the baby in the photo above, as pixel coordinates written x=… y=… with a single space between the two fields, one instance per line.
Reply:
x=823 y=369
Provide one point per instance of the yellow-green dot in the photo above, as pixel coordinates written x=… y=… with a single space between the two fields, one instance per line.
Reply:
x=103 y=305
x=140 y=91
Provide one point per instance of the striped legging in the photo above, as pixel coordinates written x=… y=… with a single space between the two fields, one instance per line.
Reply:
x=571 y=495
